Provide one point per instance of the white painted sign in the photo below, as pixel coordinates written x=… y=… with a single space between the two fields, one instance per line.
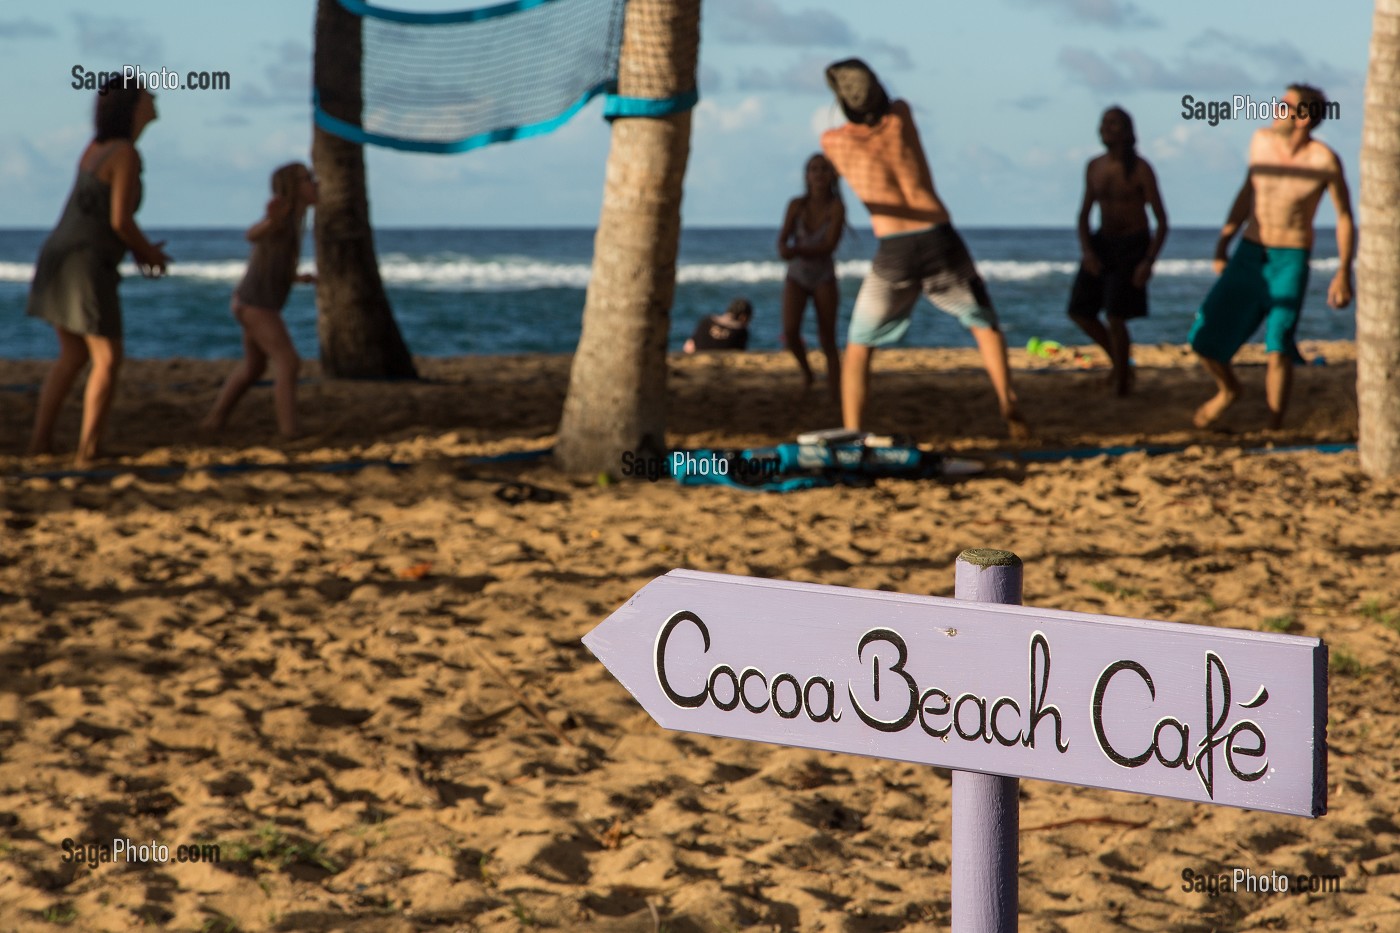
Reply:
x=1186 y=711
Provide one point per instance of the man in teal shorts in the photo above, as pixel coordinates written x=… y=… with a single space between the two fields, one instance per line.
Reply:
x=1264 y=281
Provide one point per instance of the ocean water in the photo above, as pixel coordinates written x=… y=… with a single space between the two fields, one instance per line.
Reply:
x=516 y=291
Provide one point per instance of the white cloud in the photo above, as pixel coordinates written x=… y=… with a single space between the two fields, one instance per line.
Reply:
x=443 y=170
x=764 y=22
x=25 y=29
x=1203 y=67
x=1111 y=14
x=286 y=78
x=260 y=153
x=14 y=165
x=1203 y=146
x=826 y=117
x=711 y=117
x=1038 y=157
x=50 y=155
x=985 y=160
x=118 y=41
x=806 y=76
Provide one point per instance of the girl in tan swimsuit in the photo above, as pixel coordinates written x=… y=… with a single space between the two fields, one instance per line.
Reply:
x=259 y=297
x=811 y=230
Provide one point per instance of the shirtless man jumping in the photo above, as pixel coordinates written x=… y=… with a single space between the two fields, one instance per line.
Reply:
x=879 y=154
x=1264 y=280
x=1117 y=260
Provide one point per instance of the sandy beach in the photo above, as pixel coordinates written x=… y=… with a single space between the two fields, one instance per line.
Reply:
x=367 y=686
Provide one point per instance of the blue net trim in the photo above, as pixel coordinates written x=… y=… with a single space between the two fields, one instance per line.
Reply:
x=615 y=106
x=370 y=11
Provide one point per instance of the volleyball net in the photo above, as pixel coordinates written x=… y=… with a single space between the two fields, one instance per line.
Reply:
x=454 y=81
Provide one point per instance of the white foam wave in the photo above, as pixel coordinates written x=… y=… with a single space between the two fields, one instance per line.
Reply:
x=510 y=273
x=1017 y=270
x=226 y=270
x=468 y=274
x=222 y=270
x=16 y=271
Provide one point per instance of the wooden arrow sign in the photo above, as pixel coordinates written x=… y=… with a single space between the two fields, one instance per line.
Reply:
x=1186 y=711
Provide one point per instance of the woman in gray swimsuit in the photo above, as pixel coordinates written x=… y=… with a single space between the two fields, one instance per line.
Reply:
x=811 y=230
x=75 y=278
x=259 y=297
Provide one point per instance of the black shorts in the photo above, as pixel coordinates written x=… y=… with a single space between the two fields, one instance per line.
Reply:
x=1114 y=290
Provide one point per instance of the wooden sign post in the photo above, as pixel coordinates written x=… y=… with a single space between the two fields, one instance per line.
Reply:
x=991 y=690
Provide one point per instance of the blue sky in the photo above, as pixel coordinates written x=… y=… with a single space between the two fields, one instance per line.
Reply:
x=1007 y=94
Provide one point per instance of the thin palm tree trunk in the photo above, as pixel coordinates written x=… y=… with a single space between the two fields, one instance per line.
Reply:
x=359 y=337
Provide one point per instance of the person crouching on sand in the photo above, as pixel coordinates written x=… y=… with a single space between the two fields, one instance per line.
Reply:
x=880 y=155
x=811 y=230
x=727 y=331
x=1118 y=258
x=258 y=300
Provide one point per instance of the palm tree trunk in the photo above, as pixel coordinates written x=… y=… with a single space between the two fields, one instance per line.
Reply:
x=1378 y=259
x=359 y=337
x=617 y=387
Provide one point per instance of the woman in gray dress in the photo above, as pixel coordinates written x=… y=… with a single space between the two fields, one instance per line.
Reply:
x=75 y=278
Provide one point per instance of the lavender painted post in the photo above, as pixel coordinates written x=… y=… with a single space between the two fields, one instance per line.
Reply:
x=986 y=811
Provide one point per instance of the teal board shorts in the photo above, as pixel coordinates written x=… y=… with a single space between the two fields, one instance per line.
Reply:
x=1260 y=285
x=934 y=262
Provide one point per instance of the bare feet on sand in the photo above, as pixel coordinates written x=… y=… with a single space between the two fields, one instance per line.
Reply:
x=1207 y=414
x=1016 y=427
x=1122 y=381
